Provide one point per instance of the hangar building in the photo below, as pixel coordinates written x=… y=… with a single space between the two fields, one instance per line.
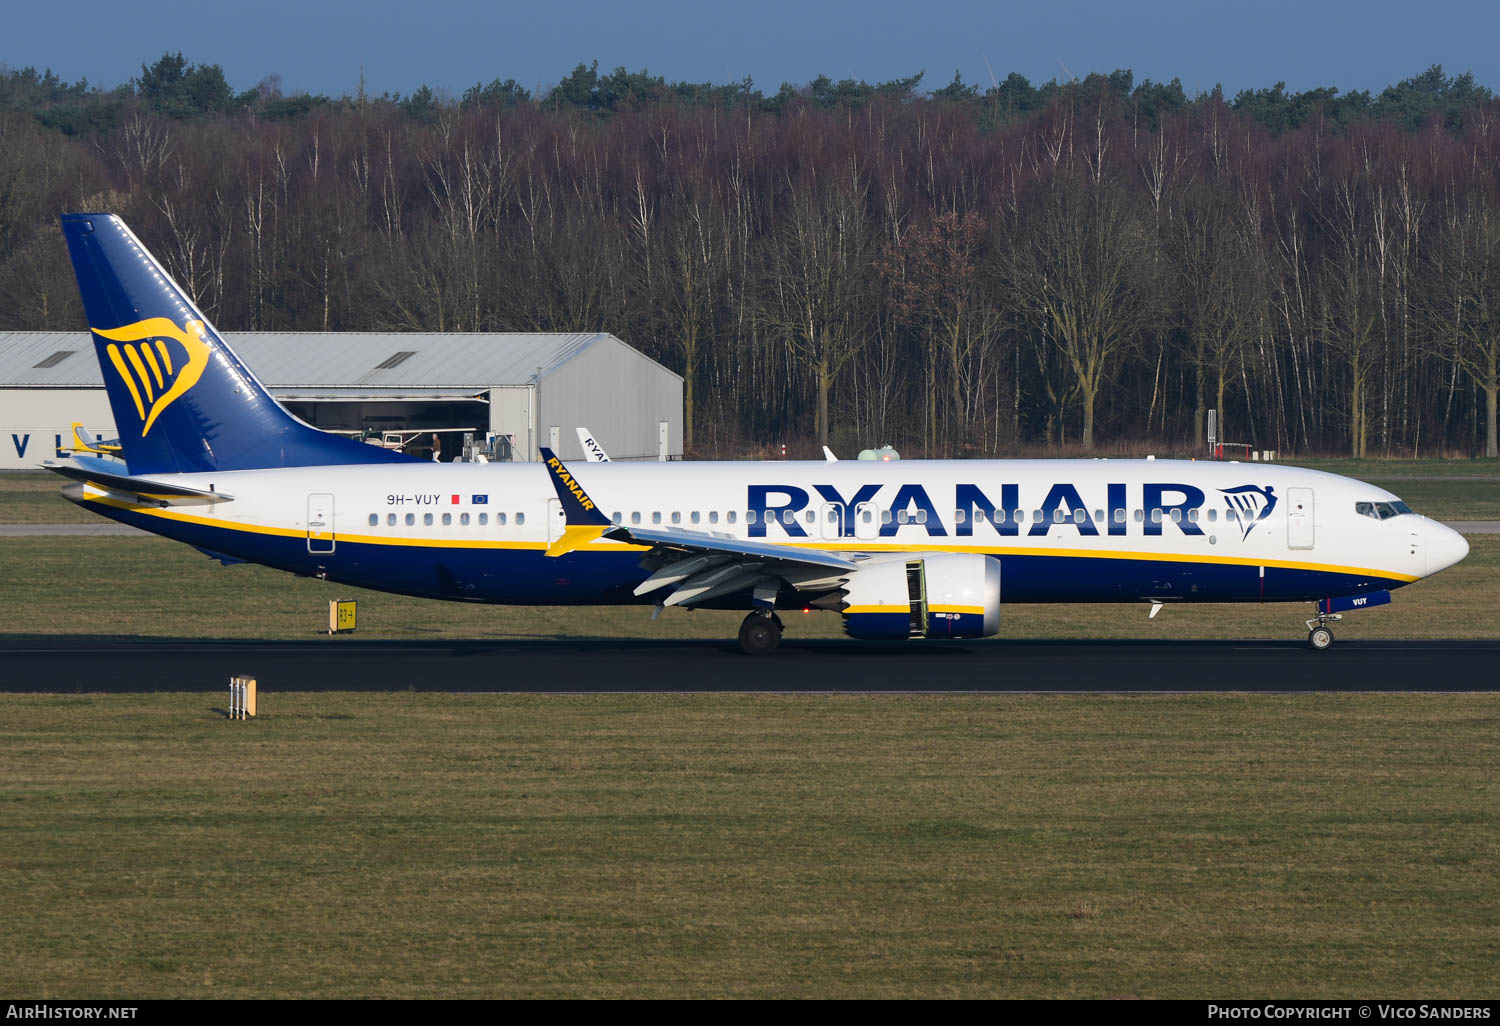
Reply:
x=510 y=393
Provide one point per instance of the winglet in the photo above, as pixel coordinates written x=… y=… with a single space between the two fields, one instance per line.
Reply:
x=583 y=523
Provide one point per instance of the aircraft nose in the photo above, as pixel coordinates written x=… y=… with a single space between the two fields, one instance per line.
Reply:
x=1444 y=546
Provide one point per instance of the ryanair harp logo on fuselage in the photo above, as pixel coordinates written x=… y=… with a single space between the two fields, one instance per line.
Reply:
x=1251 y=504
x=157 y=361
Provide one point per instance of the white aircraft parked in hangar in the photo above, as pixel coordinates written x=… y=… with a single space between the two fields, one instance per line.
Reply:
x=916 y=549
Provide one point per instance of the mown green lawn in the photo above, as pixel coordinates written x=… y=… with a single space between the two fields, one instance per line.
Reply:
x=426 y=845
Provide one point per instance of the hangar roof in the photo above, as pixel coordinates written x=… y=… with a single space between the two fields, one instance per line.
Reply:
x=328 y=359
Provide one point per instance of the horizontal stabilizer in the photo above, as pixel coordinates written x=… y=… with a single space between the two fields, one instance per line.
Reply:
x=166 y=494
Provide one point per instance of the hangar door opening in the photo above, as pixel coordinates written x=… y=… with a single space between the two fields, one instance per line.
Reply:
x=426 y=425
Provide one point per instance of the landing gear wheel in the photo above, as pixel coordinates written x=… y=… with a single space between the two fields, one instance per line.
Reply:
x=760 y=634
x=1320 y=638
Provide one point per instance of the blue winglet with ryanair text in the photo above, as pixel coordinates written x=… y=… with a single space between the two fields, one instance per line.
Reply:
x=583 y=522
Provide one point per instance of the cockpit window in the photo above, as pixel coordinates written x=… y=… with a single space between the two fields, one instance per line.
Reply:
x=1381 y=510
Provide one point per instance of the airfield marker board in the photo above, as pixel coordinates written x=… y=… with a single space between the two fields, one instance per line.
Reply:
x=341 y=615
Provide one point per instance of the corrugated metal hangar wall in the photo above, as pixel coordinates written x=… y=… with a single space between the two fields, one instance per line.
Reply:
x=515 y=391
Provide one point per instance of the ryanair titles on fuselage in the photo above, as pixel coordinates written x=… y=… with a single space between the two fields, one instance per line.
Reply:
x=1063 y=508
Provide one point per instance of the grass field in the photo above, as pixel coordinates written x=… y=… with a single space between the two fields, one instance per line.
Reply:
x=410 y=845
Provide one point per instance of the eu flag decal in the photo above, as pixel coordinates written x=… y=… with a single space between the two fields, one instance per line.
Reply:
x=480 y=500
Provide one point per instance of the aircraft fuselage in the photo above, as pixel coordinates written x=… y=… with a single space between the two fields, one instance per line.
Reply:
x=1063 y=530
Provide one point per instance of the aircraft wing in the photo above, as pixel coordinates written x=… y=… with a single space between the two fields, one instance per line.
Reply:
x=697 y=541
x=698 y=566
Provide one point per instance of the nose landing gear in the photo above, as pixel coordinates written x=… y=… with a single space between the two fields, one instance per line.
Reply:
x=1318 y=634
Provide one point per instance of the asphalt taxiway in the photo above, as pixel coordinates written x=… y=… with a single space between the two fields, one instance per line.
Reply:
x=79 y=664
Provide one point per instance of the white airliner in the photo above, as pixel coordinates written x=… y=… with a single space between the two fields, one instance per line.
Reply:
x=915 y=549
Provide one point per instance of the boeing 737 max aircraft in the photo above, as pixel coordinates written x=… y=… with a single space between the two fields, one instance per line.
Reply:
x=912 y=549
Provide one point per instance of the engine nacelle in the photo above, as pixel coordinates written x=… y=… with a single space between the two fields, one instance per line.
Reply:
x=944 y=595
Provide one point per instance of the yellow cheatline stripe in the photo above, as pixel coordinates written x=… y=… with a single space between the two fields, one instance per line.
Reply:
x=166 y=356
x=135 y=361
x=977 y=610
x=114 y=358
x=155 y=367
x=370 y=539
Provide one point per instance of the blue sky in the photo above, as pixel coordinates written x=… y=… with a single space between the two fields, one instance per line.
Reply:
x=321 y=46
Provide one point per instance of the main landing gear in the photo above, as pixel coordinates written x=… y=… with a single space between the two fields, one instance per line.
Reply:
x=760 y=633
x=1318 y=634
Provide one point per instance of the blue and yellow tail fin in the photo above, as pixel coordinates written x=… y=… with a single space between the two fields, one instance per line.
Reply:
x=182 y=401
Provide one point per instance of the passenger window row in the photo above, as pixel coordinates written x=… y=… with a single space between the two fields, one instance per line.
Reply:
x=1378 y=510
x=447 y=519
x=694 y=519
x=1078 y=516
x=995 y=516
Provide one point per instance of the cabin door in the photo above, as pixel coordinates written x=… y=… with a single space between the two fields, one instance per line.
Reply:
x=320 y=536
x=1299 y=518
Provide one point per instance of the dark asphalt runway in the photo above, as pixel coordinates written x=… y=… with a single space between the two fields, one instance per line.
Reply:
x=83 y=664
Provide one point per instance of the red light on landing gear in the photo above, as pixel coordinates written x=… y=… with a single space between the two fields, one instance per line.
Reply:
x=806 y=610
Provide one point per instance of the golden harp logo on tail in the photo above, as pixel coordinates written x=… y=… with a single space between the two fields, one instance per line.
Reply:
x=158 y=361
